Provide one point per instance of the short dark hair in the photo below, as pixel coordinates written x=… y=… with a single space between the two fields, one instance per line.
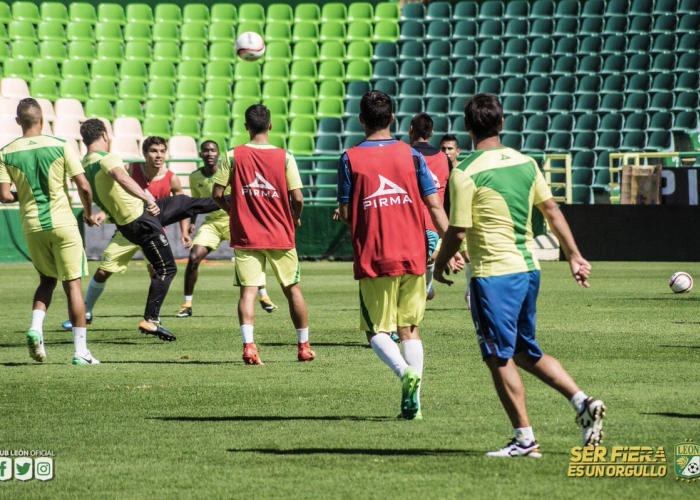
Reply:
x=449 y=138
x=29 y=112
x=91 y=130
x=483 y=116
x=257 y=117
x=422 y=126
x=376 y=109
x=207 y=141
x=154 y=140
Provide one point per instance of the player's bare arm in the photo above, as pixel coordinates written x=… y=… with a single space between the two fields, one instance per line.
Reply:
x=344 y=214
x=437 y=213
x=297 y=206
x=450 y=246
x=85 y=193
x=7 y=195
x=580 y=267
x=185 y=225
x=131 y=187
x=217 y=194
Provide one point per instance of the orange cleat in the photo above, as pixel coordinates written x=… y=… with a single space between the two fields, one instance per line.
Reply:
x=250 y=355
x=305 y=353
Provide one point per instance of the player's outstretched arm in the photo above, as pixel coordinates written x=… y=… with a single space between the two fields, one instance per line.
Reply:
x=344 y=214
x=297 y=205
x=85 y=193
x=130 y=186
x=7 y=195
x=217 y=194
x=437 y=213
x=176 y=189
x=580 y=267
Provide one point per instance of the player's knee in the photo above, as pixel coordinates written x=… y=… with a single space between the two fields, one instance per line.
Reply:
x=48 y=283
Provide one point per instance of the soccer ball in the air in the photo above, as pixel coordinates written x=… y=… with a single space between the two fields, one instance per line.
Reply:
x=250 y=46
x=681 y=283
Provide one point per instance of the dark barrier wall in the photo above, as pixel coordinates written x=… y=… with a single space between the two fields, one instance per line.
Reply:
x=636 y=233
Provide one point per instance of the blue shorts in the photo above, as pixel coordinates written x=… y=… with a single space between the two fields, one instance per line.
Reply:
x=504 y=309
x=433 y=239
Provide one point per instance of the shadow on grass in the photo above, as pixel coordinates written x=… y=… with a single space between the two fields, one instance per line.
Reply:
x=317 y=344
x=272 y=418
x=680 y=346
x=95 y=341
x=411 y=452
x=30 y=363
x=692 y=416
x=168 y=362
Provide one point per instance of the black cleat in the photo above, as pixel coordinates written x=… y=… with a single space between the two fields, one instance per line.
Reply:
x=155 y=328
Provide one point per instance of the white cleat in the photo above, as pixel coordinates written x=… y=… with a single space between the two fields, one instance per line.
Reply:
x=35 y=342
x=590 y=420
x=85 y=359
x=468 y=299
x=514 y=449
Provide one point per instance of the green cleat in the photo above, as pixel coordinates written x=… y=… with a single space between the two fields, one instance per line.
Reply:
x=35 y=342
x=85 y=359
x=409 y=394
x=418 y=416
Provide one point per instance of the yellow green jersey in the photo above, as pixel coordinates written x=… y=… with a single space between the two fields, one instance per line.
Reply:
x=201 y=186
x=492 y=193
x=223 y=175
x=39 y=167
x=121 y=206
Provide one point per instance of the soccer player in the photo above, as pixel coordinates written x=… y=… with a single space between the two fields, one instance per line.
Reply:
x=263 y=178
x=493 y=192
x=158 y=181
x=450 y=146
x=381 y=182
x=139 y=218
x=38 y=165
x=212 y=232
x=439 y=165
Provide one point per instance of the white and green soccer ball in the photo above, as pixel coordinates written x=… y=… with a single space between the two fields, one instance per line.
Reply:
x=681 y=283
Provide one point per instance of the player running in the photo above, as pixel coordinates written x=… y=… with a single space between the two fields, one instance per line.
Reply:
x=439 y=165
x=450 y=146
x=139 y=218
x=381 y=182
x=492 y=194
x=263 y=178
x=157 y=180
x=212 y=232
x=39 y=165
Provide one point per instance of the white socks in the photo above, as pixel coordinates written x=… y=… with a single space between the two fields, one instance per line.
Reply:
x=303 y=334
x=468 y=272
x=247 y=334
x=262 y=292
x=80 y=340
x=38 y=321
x=413 y=354
x=188 y=298
x=429 y=276
x=524 y=435
x=389 y=352
x=577 y=400
x=94 y=291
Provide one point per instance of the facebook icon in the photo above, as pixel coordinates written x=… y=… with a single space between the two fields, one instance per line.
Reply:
x=5 y=468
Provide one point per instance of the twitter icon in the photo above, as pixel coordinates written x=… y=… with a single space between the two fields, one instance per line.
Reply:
x=23 y=469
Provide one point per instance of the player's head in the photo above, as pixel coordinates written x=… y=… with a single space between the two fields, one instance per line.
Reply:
x=257 y=120
x=421 y=128
x=209 y=153
x=93 y=131
x=376 y=111
x=483 y=117
x=450 y=146
x=154 y=149
x=29 y=114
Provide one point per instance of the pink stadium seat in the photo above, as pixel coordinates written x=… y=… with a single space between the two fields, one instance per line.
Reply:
x=13 y=88
x=8 y=108
x=128 y=127
x=126 y=147
x=67 y=128
x=47 y=109
x=70 y=108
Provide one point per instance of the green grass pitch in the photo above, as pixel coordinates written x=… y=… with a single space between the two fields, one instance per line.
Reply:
x=188 y=420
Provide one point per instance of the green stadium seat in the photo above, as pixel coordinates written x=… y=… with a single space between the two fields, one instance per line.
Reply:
x=591 y=26
x=219 y=70
x=413 y=50
x=138 y=32
x=360 y=11
x=636 y=122
x=128 y=109
x=18 y=68
x=106 y=51
x=111 y=12
x=442 y=30
x=307 y=32
x=564 y=85
x=560 y=142
x=582 y=177
x=687 y=62
x=279 y=12
x=281 y=51
x=302 y=108
x=685 y=7
x=360 y=31
x=276 y=89
x=254 y=26
x=103 y=89
x=224 y=12
x=278 y=32
x=438 y=107
x=99 y=108
x=642 y=7
x=612 y=102
x=307 y=12
x=221 y=51
x=593 y=8
x=665 y=24
x=414 y=30
x=140 y=13
x=567 y=9
x=191 y=70
x=639 y=44
x=515 y=87
x=159 y=127
x=331 y=89
x=80 y=31
x=194 y=51
x=611 y=122
x=590 y=65
x=537 y=104
x=660 y=140
x=388 y=86
x=636 y=103
x=664 y=63
x=278 y=107
x=328 y=145
x=223 y=32
x=640 y=25
x=331 y=70
x=616 y=44
x=410 y=106
x=633 y=141
x=535 y=142
x=138 y=51
x=303 y=70
x=108 y=70
x=491 y=67
x=616 y=64
x=219 y=89
x=161 y=89
x=661 y=101
x=216 y=108
x=301 y=144
x=687 y=121
x=275 y=70
x=516 y=67
x=689 y=81
x=83 y=12
x=439 y=50
x=26 y=50
x=357 y=88
x=464 y=10
x=53 y=51
x=537 y=123
x=109 y=32
x=352 y=109
x=387 y=11
x=4 y=38
x=303 y=90
x=442 y=68
x=216 y=126
x=563 y=123
x=464 y=49
x=690 y=42
x=309 y=51
x=186 y=126
x=517 y=47
x=329 y=51
x=330 y=108
x=617 y=8
x=541 y=85
x=5 y=13
x=514 y=124
x=492 y=10
x=80 y=70
x=663 y=82
x=247 y=89
x=162 y=70
x=251 y=12
x=195 y=13
x=334 y=12
x=55 y=11
x=130 y=88
x=517 y=9
x=26 y=11
x=687 y=101
x=239 y=108
x=155 y=108
x=562 y=104
x=541 y=28
x=568 y=46
x=249 y=71
x=51 y=31
x=326 y=126
x=464 y=68
x=166 y=32
x=22 y=31
x=385 y=69
x=616 y=25
x=330 y=31
x=612 y=83
x=278 y=140
x=439 y=88
x=662 y=121
x=194 y=32
x=585 y=142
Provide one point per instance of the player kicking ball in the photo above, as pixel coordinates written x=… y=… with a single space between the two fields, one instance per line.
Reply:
x=381 y=182
x=39 y=165
x=263 y=179
x=492 y=193
x=212 y=232
x=158 y=181
x=139 y=218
